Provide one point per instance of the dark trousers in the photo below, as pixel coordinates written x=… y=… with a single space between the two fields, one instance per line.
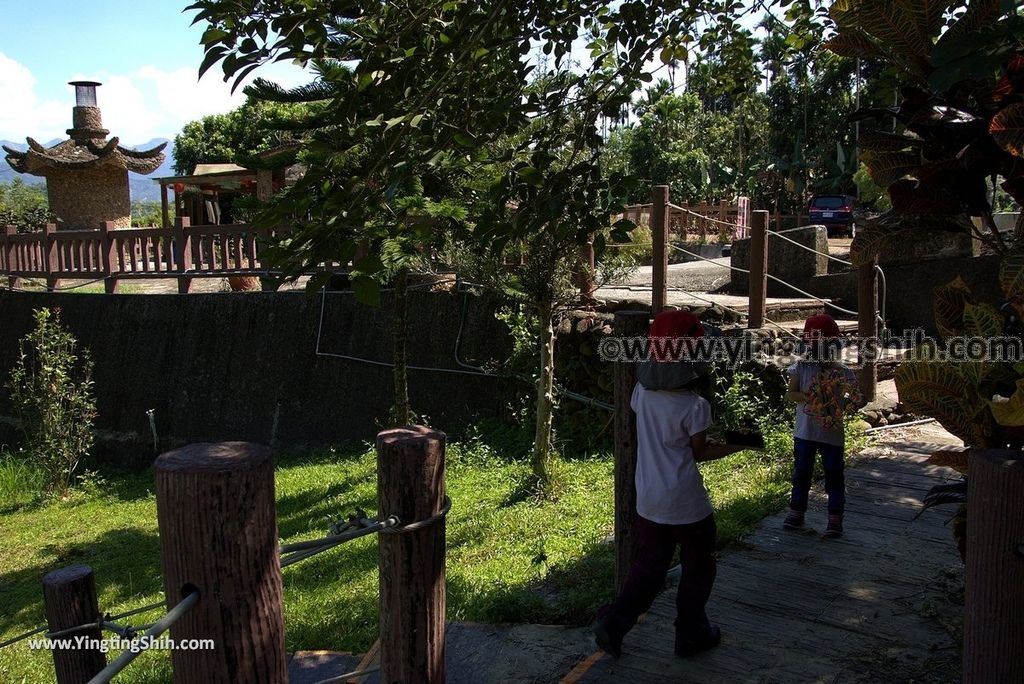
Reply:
x=656 y=546
x=803 y=471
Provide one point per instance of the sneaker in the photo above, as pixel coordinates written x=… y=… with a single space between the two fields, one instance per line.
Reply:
x=835 y=527
x=794 y=521
x=686 y=648
x=607 y=638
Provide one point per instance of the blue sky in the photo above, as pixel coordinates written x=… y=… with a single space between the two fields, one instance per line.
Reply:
x=144 y=51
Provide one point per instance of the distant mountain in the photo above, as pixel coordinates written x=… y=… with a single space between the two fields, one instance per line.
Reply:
x=142 y=187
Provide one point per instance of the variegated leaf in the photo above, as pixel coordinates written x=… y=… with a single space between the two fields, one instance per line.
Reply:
x=853 y=43
x=978 y=15
x=1011 y=275
x=935 y=388
x=982 y=320
x=883 y=141
x=1007 y=128
x=1009 y=412
x=885 y=168
x=949 y=302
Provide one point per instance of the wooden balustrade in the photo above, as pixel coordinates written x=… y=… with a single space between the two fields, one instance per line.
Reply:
x=112 y=254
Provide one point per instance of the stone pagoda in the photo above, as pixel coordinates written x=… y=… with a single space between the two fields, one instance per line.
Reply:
x=87 y=176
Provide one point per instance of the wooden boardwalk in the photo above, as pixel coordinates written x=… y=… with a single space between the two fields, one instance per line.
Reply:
x=879 y=605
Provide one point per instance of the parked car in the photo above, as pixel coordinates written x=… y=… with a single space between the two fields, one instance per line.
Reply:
x=835 y=212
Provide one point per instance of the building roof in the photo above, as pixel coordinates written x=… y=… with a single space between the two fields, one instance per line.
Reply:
x=80 y=155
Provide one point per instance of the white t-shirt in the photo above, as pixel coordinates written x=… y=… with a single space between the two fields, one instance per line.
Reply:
x=669 y=487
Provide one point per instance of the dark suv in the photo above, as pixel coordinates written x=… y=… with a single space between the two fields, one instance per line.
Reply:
x=835 y=212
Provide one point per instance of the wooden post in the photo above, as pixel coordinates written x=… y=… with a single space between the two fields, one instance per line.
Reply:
x=628 y=324
x=585 y=276
x=69 y=595
x=757 y=303
x=165 y=210
x=183 y=253
x=264 y=184
x=410 y=484
x=994 y=582
x=218 y=535
x=110 y=283
x=10 y=262
x=659 y=236
x=50 y=257
x=867 y=327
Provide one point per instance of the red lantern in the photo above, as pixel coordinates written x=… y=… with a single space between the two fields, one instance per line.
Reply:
x=179 y=188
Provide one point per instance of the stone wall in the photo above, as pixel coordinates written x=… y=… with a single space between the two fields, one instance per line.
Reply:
x=244 y=366
x=785 y=260
x=909 y=302
x=84 y=199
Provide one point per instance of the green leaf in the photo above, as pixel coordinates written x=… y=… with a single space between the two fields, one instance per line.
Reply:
x=532 y=176
x=1009 y=412
x=367 y=290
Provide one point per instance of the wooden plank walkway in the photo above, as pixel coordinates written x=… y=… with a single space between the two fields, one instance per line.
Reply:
x=880 y=604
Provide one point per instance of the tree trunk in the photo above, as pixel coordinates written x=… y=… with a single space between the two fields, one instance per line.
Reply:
x=541 y=459
x=403 y=413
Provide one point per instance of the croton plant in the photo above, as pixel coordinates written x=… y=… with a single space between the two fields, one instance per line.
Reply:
x=957 y=130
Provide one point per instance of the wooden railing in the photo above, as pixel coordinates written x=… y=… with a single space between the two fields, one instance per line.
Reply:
x=724 y=222
x=113 y=254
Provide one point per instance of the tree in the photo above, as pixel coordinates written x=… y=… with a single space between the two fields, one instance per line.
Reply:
x=435 y=78
x=230 y=138
x=24 y=206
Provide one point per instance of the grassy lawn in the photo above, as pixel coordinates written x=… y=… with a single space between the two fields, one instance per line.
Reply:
x=511 y=556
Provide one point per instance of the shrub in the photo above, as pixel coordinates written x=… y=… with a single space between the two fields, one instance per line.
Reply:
x=52 y=396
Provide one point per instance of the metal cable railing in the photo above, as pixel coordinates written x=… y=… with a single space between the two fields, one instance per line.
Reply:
x=158 y=628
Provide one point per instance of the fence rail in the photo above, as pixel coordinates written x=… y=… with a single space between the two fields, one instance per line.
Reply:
x=113 y=254
x=699 y=222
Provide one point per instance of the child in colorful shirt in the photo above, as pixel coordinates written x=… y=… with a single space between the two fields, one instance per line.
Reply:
x=824 y=391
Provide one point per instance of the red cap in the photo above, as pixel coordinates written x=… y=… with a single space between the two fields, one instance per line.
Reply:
x=674 y=325
x=821 y=326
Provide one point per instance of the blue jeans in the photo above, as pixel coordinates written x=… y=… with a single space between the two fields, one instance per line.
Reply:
x=803 y=471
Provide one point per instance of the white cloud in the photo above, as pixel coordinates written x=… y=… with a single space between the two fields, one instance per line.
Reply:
x=22 y=113
x=147 y=103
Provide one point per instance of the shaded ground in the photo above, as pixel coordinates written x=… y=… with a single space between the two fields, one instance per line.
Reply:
x=882 y=604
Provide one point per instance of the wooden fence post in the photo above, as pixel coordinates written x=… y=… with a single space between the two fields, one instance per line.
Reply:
x=218 y=535
x=587 y=268
x=994 y=583
x=411 y=485
x=757 y=303
x=69 y=595
x=110 y=283
x=867 y=327
x=660 y=238
x=628 y=324
x=10 y=264
x=50 y=257
x=183 y=253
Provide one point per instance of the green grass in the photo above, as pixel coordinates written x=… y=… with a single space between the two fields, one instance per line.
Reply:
x=512 y=557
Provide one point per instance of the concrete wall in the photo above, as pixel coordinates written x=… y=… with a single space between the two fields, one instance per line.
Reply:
x=911 y=286
x=228 y=366
x=785 y=260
